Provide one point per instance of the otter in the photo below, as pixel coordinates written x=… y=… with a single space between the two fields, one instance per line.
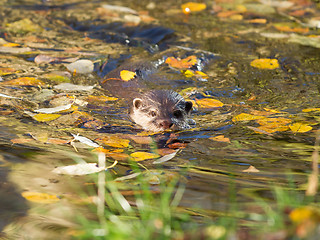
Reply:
x=152 y=110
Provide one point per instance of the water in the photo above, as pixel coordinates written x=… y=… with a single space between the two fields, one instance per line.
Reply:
x=211 y=168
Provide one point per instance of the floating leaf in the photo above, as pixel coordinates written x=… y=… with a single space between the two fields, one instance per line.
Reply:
x=220 y=138
x=54 y=110
x=85 y=140
x=265 y=63
x=114 y=141
x=251 y=169
x=208 y=103
x=190 y=7
x=185 y=63
x=43 y=117
x=10 y=44
x=79 y=169
x=140 y=156
x=245 y=117
x=40 y=197
x=127 y=75
x=166 y=158
x=24 y=81
x=300 y=127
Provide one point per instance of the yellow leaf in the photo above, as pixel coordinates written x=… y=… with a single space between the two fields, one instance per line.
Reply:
x=127 y=75
x=311 y=109
x=302 y=214
x=40 y=197
x=193 y=7
x=274 y=121
x=300 y=127
x=188 y=73
x=202 y=74
x=220 y=138
x=24 y=81
x=7 y=71
x=11 y=45
x=245 y=117
x=271 y=128
x=271 y=110
x=265 y=63
x=185 y=63
x=209 y=103
x=45 y=117
x=114 y=141
x=140 y=156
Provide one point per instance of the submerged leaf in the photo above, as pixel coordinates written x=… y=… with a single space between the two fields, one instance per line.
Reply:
x=265 y=63
x=40 y=197
x=114 y=141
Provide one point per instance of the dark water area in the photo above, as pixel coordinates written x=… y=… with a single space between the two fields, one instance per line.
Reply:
x=226 y=38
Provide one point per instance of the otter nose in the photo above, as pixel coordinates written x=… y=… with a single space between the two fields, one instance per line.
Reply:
x=165 y=124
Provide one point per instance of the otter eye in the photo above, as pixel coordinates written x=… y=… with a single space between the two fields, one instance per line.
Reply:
x=152 y=113
x=178 y=114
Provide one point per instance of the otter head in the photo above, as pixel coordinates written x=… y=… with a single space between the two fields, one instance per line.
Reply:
x=160 y=110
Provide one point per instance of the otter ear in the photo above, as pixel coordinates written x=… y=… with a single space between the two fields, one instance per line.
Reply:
x=137 y=102
x=188 y=106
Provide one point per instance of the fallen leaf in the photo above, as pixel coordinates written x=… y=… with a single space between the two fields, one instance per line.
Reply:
x=57 y=78
x=185 y=63
x=300 y=127
x=258 y=21
x=291 y=29
x=100 y=99
x=23 y=26
x=265 y=63
x=245 y=117
x=43 y=117
x=251 y=169
x=10 y=44
x=190 y=7
x=220 y=138
x=21 y=140
x=114 y=141
x=276 y=121
x=85 y=140
x=166 y=158
x=140 y=156
x=54 y=110
x=271 y=128
x=40 y=197
x=79 y=169
x=208 y=103
x=24 y=81
x=127 y=75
